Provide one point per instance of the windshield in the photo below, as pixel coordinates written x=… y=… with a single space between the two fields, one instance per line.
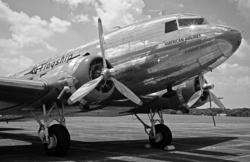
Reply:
x=183 y=22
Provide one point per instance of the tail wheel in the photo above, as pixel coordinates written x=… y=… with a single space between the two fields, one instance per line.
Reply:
x=59 y=141
x=163 y=136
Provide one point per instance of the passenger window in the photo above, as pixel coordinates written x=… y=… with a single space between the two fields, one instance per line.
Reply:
x=170 y=26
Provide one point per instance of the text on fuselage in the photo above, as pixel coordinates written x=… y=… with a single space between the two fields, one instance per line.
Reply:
x=180 y=40
x=52 y=64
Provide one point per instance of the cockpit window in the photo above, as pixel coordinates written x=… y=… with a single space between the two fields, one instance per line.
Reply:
x=194 y=21
x=170 y=26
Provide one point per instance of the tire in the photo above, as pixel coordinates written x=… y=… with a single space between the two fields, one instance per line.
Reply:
x=164 y=136
x=59 y=141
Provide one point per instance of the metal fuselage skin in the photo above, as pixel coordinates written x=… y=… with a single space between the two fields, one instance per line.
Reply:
x=146 y=57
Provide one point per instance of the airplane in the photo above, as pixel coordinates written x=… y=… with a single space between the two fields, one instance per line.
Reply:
x=144 y=68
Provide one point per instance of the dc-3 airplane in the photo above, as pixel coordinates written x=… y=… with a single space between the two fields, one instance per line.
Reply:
x=148 y=66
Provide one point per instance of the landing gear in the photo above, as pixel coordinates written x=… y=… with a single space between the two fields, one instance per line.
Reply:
x=160 y=135
x=59 y=141
x=56 y=138
x=163 y=136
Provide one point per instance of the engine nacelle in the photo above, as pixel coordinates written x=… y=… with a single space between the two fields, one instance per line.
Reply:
x=188 y=88
x=181 y=94
x=88 y=68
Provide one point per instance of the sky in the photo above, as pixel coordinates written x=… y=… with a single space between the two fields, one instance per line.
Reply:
x=32 y=30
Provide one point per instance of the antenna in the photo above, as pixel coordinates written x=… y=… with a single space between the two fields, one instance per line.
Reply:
x=198 y=7
x=162 y=12
x=116 y=28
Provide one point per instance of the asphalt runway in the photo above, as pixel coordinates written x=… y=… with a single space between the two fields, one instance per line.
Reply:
x=123 y=139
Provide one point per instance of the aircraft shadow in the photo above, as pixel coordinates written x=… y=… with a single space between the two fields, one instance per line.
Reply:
x=10 y=129
x=113 y=150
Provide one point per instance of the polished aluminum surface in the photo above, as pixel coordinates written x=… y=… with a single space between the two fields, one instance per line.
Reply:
x=147 y=59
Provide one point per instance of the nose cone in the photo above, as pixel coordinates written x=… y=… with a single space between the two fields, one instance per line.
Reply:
x=234 y=38
x=229 y=41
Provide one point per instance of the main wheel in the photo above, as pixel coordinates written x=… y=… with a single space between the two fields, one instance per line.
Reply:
x=163 y=136
x=59 y=141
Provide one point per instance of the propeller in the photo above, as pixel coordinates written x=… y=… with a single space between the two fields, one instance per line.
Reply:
x=212 y=97
x=205 y=87
x=107 y=74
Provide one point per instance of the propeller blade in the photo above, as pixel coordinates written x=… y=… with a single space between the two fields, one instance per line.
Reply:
x=195 y=97
x=216 y=101
x=84 y=90
x=126 y=92
x=201 y=81
x=101 y=39
x=210 y=103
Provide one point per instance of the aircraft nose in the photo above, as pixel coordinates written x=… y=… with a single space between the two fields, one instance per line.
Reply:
x=234 y=38
x=229 y=41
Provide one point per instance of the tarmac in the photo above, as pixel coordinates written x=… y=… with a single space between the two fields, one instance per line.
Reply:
x=123 y=139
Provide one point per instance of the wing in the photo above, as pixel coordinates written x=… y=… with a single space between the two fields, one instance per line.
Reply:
x=17 y=92
x=120 y=107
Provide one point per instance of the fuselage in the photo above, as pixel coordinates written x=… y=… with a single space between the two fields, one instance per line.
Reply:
x=151 y=55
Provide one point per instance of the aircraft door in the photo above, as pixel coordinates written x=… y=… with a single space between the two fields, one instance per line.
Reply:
x=167 y=51
x=123 y=65
x=142 y=65
x=171 y=33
